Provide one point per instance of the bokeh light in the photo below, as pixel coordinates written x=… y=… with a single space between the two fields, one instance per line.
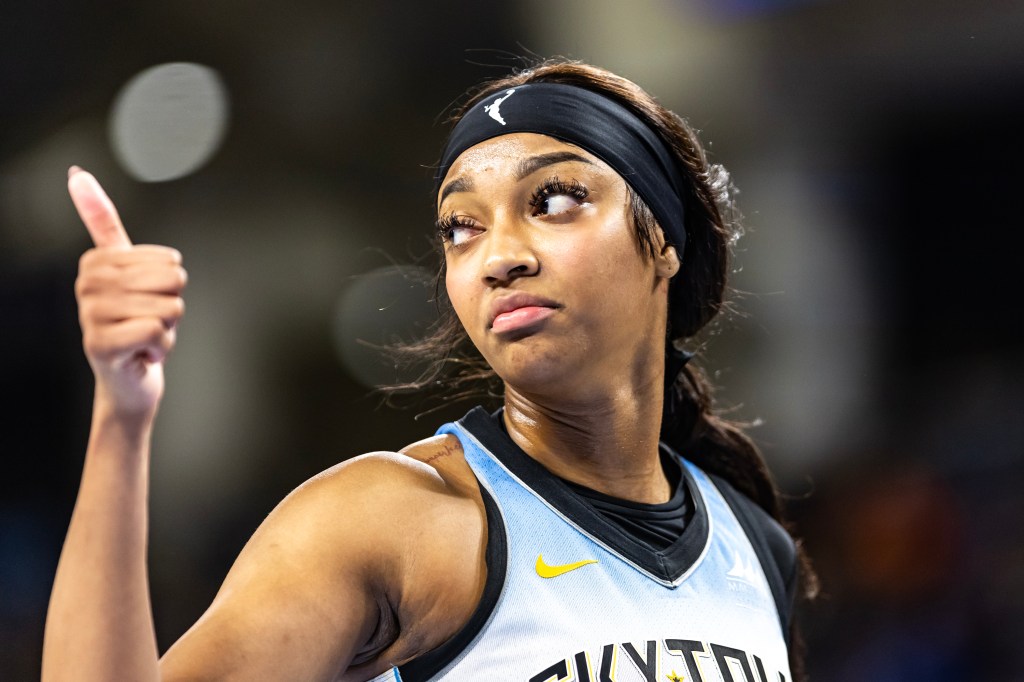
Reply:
x=168 y=121
x=384 y=306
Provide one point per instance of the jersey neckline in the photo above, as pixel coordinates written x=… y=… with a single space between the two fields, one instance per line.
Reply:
x=667 y=566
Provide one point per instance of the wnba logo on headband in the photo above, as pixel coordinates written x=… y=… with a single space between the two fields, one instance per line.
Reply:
x=493 y=109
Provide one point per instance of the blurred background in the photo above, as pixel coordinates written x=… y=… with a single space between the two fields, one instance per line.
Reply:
x=285 y=149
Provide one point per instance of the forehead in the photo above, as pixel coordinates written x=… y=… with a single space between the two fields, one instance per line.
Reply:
x=503 y=154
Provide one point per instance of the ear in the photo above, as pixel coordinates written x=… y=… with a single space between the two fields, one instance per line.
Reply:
x=666 y=264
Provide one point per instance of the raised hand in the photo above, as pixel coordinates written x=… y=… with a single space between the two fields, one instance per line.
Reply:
x=129 y=303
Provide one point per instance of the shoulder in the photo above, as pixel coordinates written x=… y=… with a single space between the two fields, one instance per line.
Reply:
x=378 y=480
x=424 y=511
x=442 y=456
x=377 y=506
x=368 y=561
x=364 y=513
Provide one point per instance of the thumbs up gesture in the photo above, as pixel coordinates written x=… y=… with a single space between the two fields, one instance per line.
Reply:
x=129 y=304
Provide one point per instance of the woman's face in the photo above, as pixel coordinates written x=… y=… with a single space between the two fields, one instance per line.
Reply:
x=544 y=269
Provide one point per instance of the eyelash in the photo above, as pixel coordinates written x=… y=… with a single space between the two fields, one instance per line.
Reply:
x=447 y=223
x=553 y=186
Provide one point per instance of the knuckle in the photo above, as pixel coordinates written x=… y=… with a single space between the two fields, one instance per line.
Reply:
x=87 y=311
x=87 y=283
x=156 y=253
x=86 y=278
x=87 y=259
x=95 y=278
x=181 y=277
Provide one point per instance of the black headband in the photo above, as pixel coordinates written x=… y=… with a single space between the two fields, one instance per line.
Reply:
x=592 y=122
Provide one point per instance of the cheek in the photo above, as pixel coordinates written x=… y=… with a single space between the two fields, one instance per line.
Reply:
x=461 y=294
x=605 y=260
x=570 y=256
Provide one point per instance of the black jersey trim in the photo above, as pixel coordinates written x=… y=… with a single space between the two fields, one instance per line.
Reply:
x=773 y=546
x=667 y=566
x=429 y=664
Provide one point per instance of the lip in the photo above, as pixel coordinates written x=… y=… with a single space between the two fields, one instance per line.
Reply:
x=519 y=310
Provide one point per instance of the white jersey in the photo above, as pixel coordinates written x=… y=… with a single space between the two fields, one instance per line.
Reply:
x=572 y=598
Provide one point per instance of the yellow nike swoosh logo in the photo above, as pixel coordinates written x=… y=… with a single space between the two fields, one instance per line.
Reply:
x=545 y=571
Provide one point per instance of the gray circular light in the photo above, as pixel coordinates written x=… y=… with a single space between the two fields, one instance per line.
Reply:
x=168 y=121
x=377 y=309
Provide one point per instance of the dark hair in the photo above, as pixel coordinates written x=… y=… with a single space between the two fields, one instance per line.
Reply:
x=690 y=426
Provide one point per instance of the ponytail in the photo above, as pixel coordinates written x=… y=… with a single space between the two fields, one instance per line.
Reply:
x=721 y=448
x=716 y=445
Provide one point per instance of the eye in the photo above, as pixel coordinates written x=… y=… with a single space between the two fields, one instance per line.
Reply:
x=455 y=230
x=554 y=197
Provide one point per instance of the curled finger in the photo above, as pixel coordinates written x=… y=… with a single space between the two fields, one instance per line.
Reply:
x=138 y=253
x=163 y=278
x=126 y=306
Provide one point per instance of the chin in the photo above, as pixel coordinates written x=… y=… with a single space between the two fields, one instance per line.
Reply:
x=535 y=366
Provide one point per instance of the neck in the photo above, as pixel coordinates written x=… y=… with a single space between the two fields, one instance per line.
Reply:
x=608 y=444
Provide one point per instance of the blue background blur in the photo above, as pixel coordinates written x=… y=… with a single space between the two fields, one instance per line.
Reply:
x=877 y=145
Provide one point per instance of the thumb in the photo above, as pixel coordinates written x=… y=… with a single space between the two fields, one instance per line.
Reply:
x=96 y=209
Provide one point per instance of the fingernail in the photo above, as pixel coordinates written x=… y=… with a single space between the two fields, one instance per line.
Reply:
x=73 y=170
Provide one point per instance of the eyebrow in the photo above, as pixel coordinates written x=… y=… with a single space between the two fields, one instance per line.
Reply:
x=525 y=168
x=456 y=185
x=535 y=163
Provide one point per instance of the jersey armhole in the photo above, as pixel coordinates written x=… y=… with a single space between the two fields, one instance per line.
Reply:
x=774 y=547
x=434 y=661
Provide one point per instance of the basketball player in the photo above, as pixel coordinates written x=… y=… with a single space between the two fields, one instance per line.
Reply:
x=602 y=525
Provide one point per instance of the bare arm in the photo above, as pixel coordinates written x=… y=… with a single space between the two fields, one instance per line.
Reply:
x=303 y=596
x=307 y=591
x=99 y=625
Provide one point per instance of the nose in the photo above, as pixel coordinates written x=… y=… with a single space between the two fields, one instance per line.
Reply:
x=510 y=254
